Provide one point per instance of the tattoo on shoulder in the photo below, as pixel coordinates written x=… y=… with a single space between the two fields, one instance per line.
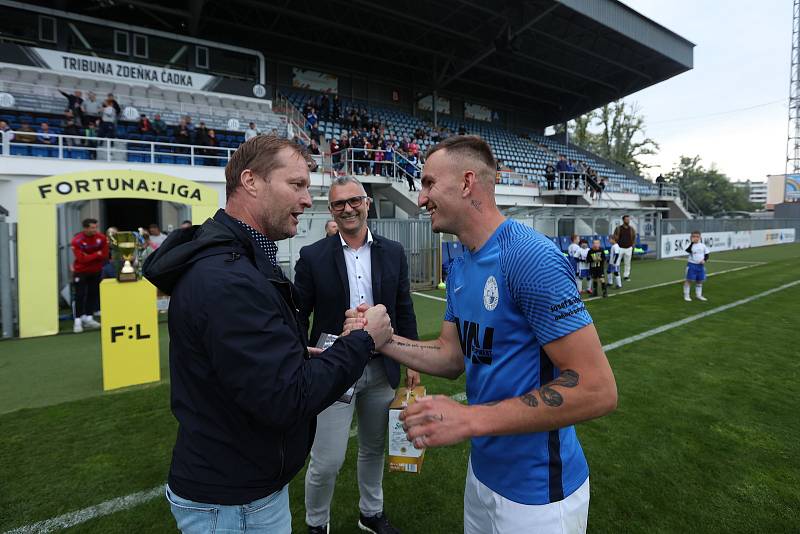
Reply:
x=530 y=399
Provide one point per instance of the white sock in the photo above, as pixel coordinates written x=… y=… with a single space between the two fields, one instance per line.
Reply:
x=579 y=284
x=686 y=290
x=618 y=279
x=698 y=290
x=85 y=317
x=77 y=320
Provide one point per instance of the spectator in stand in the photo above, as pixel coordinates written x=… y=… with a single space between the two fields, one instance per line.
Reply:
x=26 y=134
x=189 y=125
x=75 y=105
x=357 y=144
x=411 y=169
x=550 y=176
x=413 y=148
x=314 y=133
x=388 y=158
x=182 y=135
x=90 y=249
x=311 y=119
x=337 y=108
x=212 y=142
x=45 y=137
x=660 y=180
x=313 y=148
x=251 y=131
x=159 y=126
x=70 y=128
x=145 y=127
x=462 y=130
x=92 y=108
x=602 y=184
x=336 y=158
x=201 y=134
x=117 y=109
x=91 y=132
x=156 y=237
x=562 y=167
x=108 y=120
x=6 y=134
x=574 y=176
x=378 y=157
x=324 y=107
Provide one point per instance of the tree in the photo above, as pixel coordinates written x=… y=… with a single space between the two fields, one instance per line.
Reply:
x=615 y=132
x=709 y=189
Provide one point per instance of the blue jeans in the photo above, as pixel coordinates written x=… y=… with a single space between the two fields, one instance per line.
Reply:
x=268 y=515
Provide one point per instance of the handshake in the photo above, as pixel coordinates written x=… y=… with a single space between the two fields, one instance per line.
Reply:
x=374 y=320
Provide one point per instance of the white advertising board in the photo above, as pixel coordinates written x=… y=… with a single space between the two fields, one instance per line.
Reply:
x=674 y=245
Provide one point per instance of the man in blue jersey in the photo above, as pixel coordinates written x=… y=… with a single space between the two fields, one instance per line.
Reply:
x=535 y=366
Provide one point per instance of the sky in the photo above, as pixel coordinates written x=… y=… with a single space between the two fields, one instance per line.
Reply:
x=731 y=109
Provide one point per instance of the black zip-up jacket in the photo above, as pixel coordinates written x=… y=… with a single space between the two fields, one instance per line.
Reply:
x=243 y=388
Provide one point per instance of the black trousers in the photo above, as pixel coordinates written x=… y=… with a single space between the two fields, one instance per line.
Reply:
x=87 y=293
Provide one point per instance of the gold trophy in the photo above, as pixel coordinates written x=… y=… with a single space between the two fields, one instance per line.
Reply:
x=123 y=251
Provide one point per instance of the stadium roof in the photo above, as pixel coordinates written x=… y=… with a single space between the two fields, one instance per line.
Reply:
x=553 y=58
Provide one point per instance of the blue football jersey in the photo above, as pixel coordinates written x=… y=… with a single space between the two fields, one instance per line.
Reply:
x=508 y=299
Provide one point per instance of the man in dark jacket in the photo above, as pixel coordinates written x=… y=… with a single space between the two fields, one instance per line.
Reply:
x=244 y=388
x=340 y=272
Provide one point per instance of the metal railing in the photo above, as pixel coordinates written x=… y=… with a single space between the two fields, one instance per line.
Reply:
x=214 y=101
x=113 y=149
x=295 y=122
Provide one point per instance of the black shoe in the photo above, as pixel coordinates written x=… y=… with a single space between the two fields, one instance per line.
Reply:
x=627 y=278
x=378 y=524
x=324 y=529
x=605 y=294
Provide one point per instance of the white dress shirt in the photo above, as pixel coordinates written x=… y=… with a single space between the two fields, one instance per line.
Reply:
x=359 y=271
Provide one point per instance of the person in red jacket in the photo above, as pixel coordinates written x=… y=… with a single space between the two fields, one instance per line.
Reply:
x=90 y=248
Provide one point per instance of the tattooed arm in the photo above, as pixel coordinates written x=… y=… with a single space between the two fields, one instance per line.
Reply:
x=439 y=357
x=584 y=390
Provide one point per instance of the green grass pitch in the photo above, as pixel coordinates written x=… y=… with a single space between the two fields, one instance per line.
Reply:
x=705 y=438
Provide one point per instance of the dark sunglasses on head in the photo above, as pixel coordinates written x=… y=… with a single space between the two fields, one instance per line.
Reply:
x=355 y=202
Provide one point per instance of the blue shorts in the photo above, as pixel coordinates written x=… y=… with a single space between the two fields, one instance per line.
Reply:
x=585 y=274
x=695 y=272
x=613 y=269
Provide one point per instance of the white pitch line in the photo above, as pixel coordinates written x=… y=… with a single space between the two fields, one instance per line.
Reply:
x=81 y=516
x=662 y=284
x=692 y=318
x=715 y=260
x=135 y=499
x=417 y=293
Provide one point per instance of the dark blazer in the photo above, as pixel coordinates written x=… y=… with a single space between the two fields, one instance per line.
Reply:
x=321 y=282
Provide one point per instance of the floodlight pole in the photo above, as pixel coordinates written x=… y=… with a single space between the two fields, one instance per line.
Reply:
x=793 y=137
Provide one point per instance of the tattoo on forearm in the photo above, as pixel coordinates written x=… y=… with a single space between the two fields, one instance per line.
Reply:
x=530 y=399
x=476 y=204
x=568 y=379
x=550 y=396
x=413 y=345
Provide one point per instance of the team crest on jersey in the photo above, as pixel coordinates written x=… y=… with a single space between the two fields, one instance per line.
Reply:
x=491 y=295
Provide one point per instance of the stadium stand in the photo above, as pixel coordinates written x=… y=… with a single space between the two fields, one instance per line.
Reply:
x=37 y=99
x=527 y=156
